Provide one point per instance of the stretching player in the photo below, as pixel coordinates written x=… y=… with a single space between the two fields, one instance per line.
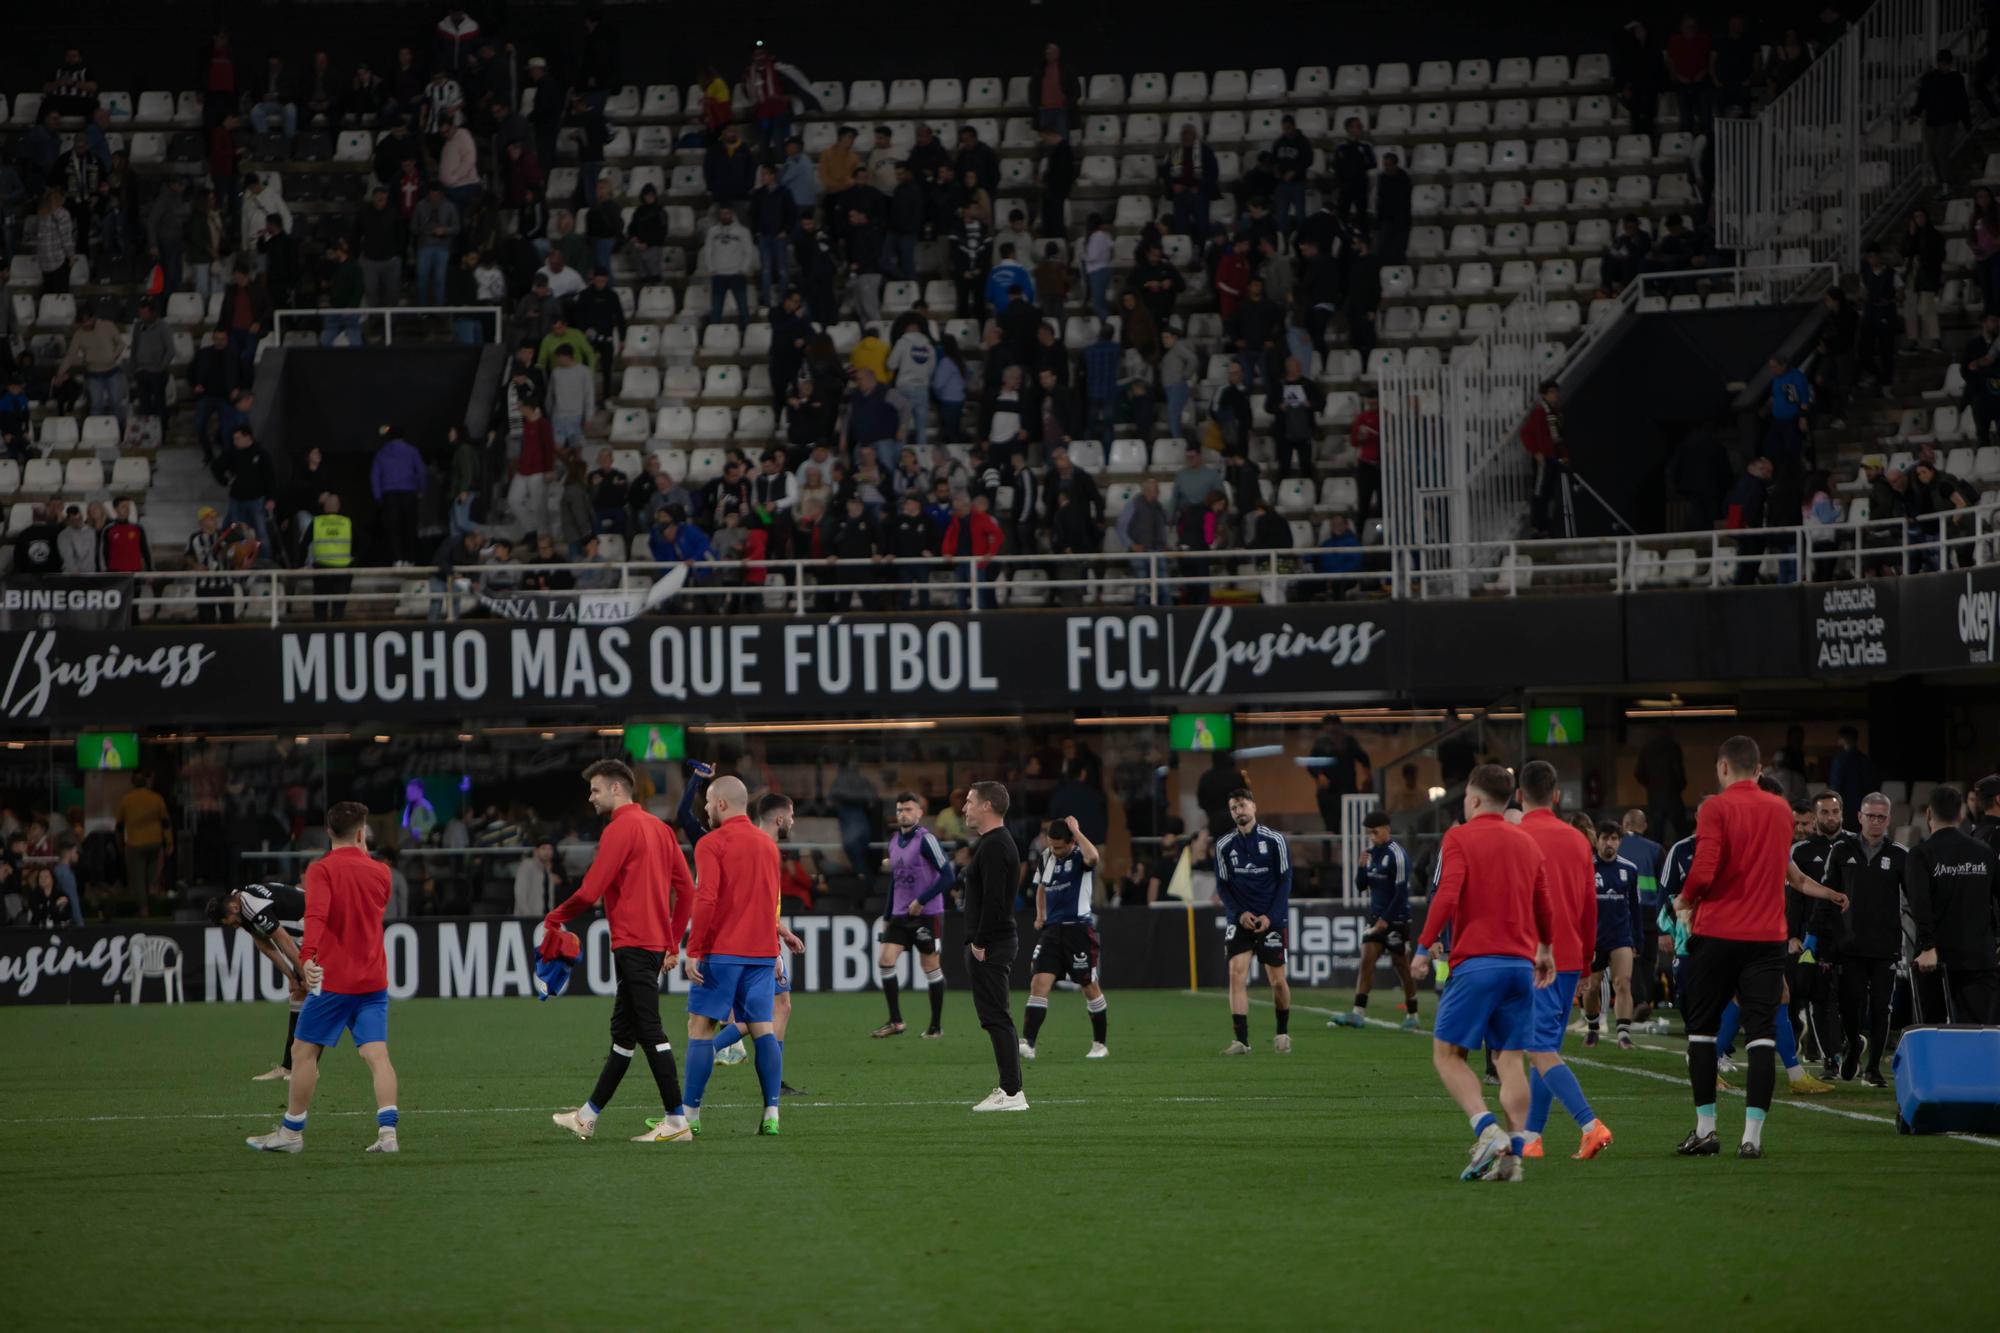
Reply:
x=774 y=817
x=733 y=946
x=1253 y=877
x=1493 y=892
x=1617 y=943
x=1385 y=873
x=1566 y=862
x=348 y=973
x=919 y=872
x=270 y=914
x=1067 y=943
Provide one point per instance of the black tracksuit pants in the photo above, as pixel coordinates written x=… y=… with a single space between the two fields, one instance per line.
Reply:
x=996 y=1014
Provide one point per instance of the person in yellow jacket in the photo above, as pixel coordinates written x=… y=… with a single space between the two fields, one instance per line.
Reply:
x=331 y=548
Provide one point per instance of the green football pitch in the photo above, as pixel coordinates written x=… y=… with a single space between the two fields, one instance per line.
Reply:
x=1164 y=1188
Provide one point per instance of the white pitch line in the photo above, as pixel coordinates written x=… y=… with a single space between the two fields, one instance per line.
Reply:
x=1658 y=1077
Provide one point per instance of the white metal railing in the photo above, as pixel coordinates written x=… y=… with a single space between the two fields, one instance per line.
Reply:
x=1427 y=570
x=1832 y=157
x=388 y=314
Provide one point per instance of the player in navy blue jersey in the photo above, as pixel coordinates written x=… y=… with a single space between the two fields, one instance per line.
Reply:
x=1253 y=877
x=1385 y=873
x=1065 y=916
x=1619 y=924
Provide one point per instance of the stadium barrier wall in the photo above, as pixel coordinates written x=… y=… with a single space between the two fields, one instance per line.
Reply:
x=489 y=957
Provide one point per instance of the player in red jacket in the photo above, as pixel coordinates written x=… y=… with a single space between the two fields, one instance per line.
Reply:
x=348 y=975
x=1493 y=894
x=643 y=880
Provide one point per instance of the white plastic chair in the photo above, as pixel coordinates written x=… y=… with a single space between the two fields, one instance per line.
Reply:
x=155 y=956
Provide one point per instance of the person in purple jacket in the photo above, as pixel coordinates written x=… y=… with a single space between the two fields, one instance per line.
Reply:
x=919 y=872
x=398 y=479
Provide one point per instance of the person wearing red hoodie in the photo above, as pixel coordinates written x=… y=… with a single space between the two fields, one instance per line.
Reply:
x=1492 y=893
x=1232 y=276
x=976 y=533
x=643 y=881
x=1568 y=861
x=347 y=971
x=732 y=951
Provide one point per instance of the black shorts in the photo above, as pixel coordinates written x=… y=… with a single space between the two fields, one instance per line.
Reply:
x=1394 y=938
x=1601 y=960
x=1269 y=945
x=1066 y=949
x=1751 y=972
x=912 y=932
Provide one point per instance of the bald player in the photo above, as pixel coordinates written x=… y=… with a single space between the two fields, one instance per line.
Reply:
x=774 y=816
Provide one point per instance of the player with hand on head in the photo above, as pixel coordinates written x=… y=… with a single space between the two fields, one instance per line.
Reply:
x=1566 y=863
x=1065 y=880
x=270 y=914
x=1385 y=873
x=733 y=946
x=919 y=873
x=1253 y=877
x=639 y=874
x=1619 y=924
x=347 y=971
x=1492 y=890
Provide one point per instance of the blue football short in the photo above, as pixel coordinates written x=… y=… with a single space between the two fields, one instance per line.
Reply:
x=744 y=986
x=1552 y=1005
x=1489 y=1001
x=325 y=1016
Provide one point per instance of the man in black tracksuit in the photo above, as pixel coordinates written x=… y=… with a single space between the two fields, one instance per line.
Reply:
x=1952 y=887
x=1814 y=985
x=1869 y=870
x=1986 y=811
x=991 y=940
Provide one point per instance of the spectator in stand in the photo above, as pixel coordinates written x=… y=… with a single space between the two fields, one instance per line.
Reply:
x=973 y=533
x=275 y=98
x=1339 y=557
x=1690 y=67
x=1177 y=369
x=1639 y=73
x=726 y=252
x=76 y=544
x=97 y=348
x=1736 y=58
x=1230 y=411
x=252 y=486
x=1626 y=259
x=166 y=222
x=152 y=361
x=1365 y=434
x=35 y=545
x=529 y=498
x=16 y=419
x=729 y=169
x=1058 y=174
x=1143 y=528
x=1096 y=263
x=1193 y=181
x=773 y=214
x=1876 y=352
x=214 y=376
x=1053 y=91
x=224 y=162
x=1542 y=437
x=72 y=92
x=1157 y=283
x=1353 y=162
x=600 y=324
x=912 y=363
x=1232 y=277
x=1363 y=301
x=646 y=236
x=1100 y=382
x=905 y=223
x=1923 y=279
x=1194 y=483
x=562 y=281
x=1255 y=332
x=1746 y=510
x=572 y=400
x=1292 y=154
x=1789 y=409
x=1945 y=109
x=948 y=389
x=1295 y=404
x=55 y=241
x=435 y=224
x=378 y=236
x=1392 y=210
x=1984 y=234
x=1978 y=363
x=397 y=478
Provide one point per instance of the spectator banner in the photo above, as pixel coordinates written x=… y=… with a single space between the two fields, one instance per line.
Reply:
x=1951 y=621
x=494 y=957
x=583 y=608
x=97 y=601
x=1852 y=627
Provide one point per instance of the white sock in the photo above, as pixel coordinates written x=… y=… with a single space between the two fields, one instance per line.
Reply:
x=770 y=1113
x=1704 y=1124
x=1796 y=1073
x=1753 y=1131
x=1531 y=1136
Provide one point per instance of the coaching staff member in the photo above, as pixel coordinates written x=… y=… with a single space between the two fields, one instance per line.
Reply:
x=1986 y=811
x=643 y=879
x=1950 y=882
x=991 y=940
x=1733 y=902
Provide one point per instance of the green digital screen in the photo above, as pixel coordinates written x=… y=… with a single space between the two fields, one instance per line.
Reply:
x=1555 y=726
x=652 y=742
x=1201 y=731
x=107 y=749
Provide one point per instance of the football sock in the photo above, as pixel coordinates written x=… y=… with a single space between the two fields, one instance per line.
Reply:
x=660 y=1058
x=1284 y=1021
x=1788 y=1042
x=615 y=1065
x=1097 y=1018
x=295 y=1123
x=937 y=997
x=385 y=1118
x=1241 y=1022
x=701 y=1063
x=1516 y=1142
x=1481 y=1121
x=591 y=1110
x=1038 y=1010
x=1725 y=1032
x=1763 y=1073
x=770 y=1069
x=1361 y=1003
x=887 y=977
x=291 y=1031
x=1704 y=1119
x=1624 y=1027
x=1701 y=1072
x=1540 y=1099
x=727 y=1035
x=1591 y=1022
x=1562 y=1084
x=1753 y=1127
x=1410 y=1006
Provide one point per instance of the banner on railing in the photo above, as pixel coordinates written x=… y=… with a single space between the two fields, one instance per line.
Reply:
x=493 y=957
x=99 y=601
x=610 y=607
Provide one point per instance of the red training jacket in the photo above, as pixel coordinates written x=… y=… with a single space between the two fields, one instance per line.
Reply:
x=538 y=447
x=1743 y=843
x=736 y=892
x=1493 y=892
x=987 y=539
x=1541 y=433
x=1567 y=860
x=643 y=879
x=1366 y=436
x=346 y=893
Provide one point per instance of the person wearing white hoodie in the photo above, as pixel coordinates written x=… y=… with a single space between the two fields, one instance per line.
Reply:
x=912 y=362
x=726 y=252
